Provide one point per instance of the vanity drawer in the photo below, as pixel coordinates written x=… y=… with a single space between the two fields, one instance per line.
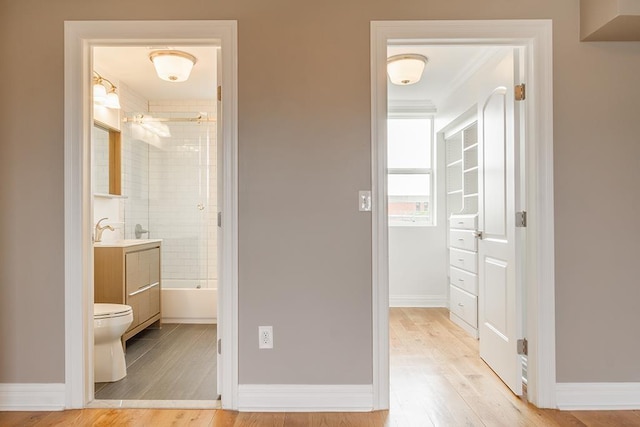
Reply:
x=467 y=222
x=464 y=280
x=463 y=239
x=464 y=305
x=464 y=259
x=142 y=269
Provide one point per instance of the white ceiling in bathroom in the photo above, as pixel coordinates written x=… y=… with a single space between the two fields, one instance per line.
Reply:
x=131 y=65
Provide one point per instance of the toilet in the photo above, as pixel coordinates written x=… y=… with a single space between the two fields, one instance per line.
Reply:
x=110 y=322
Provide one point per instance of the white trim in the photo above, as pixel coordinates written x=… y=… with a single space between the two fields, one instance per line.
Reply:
x=32 y=397
x=536 y=37
x=598 y=396
x=304 y=398
x=410 y=109
x=418 y=301
x=155 y=404
x=80 y=36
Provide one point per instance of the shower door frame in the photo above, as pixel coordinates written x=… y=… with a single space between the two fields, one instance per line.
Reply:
x=80 y=37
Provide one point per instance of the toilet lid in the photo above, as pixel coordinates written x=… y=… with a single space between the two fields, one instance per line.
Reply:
x=101 y=310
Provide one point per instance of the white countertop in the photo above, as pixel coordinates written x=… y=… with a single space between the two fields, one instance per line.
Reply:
x=126 y=243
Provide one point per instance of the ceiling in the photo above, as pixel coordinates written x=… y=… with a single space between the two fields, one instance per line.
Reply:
x=131 y=65
x=447 y=67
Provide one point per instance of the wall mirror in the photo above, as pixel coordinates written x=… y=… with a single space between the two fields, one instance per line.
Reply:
x=106 y=160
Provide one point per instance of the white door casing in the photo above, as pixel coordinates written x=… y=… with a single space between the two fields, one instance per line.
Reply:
x=535 y=37
x=219 y=206
x=500 y=309
x=79 y=37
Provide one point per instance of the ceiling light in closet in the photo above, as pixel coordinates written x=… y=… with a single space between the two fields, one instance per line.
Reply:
x=405 y=69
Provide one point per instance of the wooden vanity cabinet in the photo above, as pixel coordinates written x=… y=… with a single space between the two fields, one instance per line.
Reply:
x=130 y=275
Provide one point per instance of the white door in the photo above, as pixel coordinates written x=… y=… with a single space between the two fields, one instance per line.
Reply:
x=500 y=309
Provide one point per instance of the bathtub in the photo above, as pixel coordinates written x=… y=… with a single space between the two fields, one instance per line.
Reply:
x=183 y=302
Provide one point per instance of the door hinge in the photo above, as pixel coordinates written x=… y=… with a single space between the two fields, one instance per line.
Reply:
x=521 y=219
x=219 y=345
x=219 y=93
x=520 y=92
x=523 y=347
x=220 y=219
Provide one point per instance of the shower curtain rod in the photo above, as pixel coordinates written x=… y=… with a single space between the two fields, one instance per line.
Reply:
x=141 y=118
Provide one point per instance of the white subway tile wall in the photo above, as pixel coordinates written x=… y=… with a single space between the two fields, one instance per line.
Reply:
x=170 y=184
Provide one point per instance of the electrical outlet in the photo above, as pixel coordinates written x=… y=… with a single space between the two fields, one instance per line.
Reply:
x=265 y=336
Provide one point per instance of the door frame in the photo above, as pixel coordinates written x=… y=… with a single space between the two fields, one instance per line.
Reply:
x=535 y=36
x=79 y=38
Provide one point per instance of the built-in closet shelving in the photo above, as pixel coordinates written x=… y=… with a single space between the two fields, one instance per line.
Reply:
x=462 y=171
x=462 y=209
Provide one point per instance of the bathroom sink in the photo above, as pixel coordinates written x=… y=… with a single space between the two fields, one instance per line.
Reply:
x=125 y=243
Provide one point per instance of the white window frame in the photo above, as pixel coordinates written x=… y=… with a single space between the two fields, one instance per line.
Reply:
x=431 y=171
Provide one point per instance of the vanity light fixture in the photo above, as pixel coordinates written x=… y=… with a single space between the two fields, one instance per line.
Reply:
x=172 y=65
x=406 y=69
x=103 y=97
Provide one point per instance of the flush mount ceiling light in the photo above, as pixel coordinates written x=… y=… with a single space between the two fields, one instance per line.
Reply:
x=405 y=69
x=172 y=65
x=103 y=97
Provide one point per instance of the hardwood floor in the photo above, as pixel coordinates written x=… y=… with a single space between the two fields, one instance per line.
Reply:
x=437 y=379
x=176 y=362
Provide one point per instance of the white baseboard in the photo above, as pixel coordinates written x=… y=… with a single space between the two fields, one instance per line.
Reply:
x=305 y=398
x=598 y=396
x=32 y=397
x=425 y=301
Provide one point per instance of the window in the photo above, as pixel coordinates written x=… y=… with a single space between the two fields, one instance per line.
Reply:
x=409 y=171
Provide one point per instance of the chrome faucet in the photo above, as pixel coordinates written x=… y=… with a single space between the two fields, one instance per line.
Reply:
x=99 y=230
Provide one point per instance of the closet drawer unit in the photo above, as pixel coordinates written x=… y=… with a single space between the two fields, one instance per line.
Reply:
x=464 y=259
x=463 y=239
x=467 y=222
x=464 y=280
x=464 y=305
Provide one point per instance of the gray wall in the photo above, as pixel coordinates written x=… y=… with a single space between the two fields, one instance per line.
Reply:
x=304 y=152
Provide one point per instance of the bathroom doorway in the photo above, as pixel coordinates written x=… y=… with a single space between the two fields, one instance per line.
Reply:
x=168 y=176
x=179 y=186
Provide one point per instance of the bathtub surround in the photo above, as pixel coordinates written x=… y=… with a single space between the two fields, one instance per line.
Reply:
x=181 y=304
x=170 y=185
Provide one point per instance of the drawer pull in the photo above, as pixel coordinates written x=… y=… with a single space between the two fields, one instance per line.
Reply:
x=461 y=259
x=144 y=288
x=460 y=222
x=460 y=239
x=460 y=280
x=460 y=304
